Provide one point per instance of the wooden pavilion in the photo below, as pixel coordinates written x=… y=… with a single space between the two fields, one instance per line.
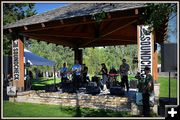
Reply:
x=74 y=26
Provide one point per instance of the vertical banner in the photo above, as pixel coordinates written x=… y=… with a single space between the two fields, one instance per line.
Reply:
x=15 y=59
x=145 y=47
x=18 y=64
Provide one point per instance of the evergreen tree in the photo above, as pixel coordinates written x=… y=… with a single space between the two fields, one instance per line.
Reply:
x=13 y=12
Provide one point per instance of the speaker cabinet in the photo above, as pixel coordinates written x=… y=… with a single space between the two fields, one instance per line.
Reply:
x=169 y=57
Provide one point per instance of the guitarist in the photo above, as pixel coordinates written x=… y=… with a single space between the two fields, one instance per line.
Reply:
x=147 y=90
x=76 y=72
x=63 y=73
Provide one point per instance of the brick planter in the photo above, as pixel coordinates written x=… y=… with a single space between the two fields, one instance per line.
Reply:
x=74 y=100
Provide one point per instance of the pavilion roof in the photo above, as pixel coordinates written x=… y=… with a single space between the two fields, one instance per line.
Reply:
x=72 y=25
x=74 y=10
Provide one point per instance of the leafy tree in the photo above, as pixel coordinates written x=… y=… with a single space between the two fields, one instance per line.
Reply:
x=157 y=13
x=11 y=13
x=58 y=54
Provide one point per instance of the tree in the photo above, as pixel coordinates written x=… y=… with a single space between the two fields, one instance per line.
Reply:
x=11 y=13
x=58 y=54
x=158 y=13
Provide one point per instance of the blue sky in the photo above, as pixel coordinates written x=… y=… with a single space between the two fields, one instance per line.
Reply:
x=43 y=7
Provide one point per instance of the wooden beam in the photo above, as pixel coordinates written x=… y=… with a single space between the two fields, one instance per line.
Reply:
x=136 y=11
x=10 y=30
x=84 y=19
x=51 y=40
x=105 y=26
x=73 y=23
x=62 y=22
x=121 y=27
x=60 y=36
x=120 y=39
x=25 y=28
x=110 y=41
x=43 y=25
x=108 y=44
x=114 y=25
x=109 y=15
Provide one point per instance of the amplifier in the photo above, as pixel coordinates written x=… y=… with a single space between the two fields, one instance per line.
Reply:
x=92 y=90
x=117 y=90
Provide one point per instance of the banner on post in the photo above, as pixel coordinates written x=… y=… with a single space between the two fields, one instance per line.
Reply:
x=15 y=59
x=145 y=47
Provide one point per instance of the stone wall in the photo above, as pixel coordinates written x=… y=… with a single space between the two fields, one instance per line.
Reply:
x=74 y=100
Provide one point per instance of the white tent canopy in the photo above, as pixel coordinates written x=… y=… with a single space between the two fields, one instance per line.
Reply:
x=36 y=60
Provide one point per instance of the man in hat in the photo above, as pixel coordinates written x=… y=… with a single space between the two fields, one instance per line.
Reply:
x=147 y=90
x=124 y=68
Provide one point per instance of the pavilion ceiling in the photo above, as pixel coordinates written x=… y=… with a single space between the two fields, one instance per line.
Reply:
x=119 y=28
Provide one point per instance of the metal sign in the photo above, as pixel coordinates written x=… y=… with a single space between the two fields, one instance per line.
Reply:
x=15 y=60
x=145 y=48
x=11 y=90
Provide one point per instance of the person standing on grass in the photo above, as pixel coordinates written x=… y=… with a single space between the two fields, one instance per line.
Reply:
x=63 y=73
x=147 y=91
x=123 y=69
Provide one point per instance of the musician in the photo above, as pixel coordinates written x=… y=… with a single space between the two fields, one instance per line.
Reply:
x=147 y=90
x=63 y=73
x=112 y=76
x=123 y=69
x=76 y=72
x=84 y=72
x=104 y=73
x=113 y=70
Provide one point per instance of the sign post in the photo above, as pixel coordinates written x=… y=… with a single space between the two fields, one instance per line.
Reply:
x=145 y=48
x=18 y=64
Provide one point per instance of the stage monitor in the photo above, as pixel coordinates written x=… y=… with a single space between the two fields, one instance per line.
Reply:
x=169 y=57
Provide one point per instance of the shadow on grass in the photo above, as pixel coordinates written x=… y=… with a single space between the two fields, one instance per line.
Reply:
x=103 y=113
x=89 y=112
x=44 y=81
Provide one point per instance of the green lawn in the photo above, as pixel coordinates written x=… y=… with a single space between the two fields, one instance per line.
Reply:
x=14 y=109
x=42 y=82
x=164 y=87
x=45 y=81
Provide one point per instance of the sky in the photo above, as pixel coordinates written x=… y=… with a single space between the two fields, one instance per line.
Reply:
x=43 y=7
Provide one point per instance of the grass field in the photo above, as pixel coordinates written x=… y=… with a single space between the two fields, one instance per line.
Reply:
x=164 y=87
x=13 y=109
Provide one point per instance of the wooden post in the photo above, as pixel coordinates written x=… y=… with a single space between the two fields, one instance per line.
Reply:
x=18 y=62
x=78 y=55
x=155 y=63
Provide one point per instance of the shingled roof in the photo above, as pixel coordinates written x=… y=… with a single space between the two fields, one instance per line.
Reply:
x=74 y=10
